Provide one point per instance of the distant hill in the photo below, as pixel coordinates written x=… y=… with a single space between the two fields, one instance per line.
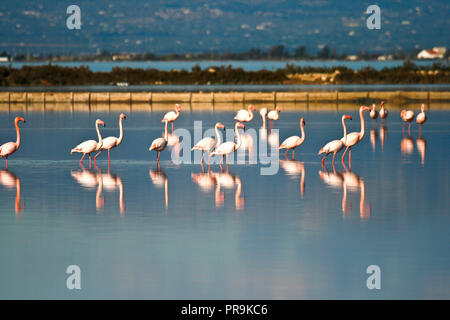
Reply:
x=179 y=26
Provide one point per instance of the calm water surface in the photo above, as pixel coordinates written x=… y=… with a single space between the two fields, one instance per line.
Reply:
x=178 y=233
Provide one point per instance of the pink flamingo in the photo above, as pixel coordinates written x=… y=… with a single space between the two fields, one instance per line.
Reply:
x=9 y=148
x=171 y=116
x=383 y=111
x=228 y=147
x=208 y=143
x=273 y=115
x=89 y=146
x=407 y=116
x=373 y=113
x=336 y=145
x=112 y=142
x=354 y=137
x=245 y=115
x=421 y=118
x=159 y=144
x=294 y=141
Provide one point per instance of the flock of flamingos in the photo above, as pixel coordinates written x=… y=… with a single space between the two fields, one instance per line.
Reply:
x=214 y=147
x=224 y=149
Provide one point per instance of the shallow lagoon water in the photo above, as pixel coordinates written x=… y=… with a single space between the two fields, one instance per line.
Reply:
x=174 y=233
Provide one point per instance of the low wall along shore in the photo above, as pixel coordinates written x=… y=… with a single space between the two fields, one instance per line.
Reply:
x=222 y=97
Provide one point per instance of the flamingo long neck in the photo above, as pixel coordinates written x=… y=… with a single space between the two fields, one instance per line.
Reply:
x=100 y=139
x=422 y=108
x=361 y=116
x=251 y=114
x=345 y=130
x=219 y=140
x=165 y=131
x=120 y=132
x=18 y=133
x=302 y=130
x=239 y=141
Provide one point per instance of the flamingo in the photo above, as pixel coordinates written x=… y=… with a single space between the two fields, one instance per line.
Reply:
x=407 y=116
x=9 y=148
x=245 y=115
x=373 y=113
x=294 y=141
x=171 y=116
x=208 y=143
x=112 y=142
x=336 y=145
x=263 y=112
x=354 y=137
x=89 y=146
x=11 y=181
x=159 y=144
x=228 y=147
x=383 y=111
x=421 y=117
x=273 y=115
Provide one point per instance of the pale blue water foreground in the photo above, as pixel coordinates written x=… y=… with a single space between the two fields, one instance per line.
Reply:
x=172 y=233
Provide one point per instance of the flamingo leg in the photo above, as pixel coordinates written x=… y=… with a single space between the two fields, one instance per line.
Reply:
x=334 y=156
x=409 y=129
x=81 y=160
x=344 y=154
x=172 y=126
x=203 y=154
x=227 y=162
x=293 y=154
x=90 y=160
x=323 y=160
x=109 y=156
x=350 y=157
x=6 y=158
x=159 y=154
x=285 y=154
x=95 y=157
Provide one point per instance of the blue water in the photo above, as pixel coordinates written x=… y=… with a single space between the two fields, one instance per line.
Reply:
x=139 y=231
x=252 y=65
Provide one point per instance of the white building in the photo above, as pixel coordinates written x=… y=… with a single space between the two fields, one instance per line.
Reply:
x=435 y=53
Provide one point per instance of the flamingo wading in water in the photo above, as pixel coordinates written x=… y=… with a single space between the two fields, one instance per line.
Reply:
x=407 y=116
x=373 y=113
x=383 y=111
x=354 y=137
x=421 y=118
x=9 y=148
x=229 y=147
x=273 y=115
x=112 y=142
x=89 y=146
x=206 y=144
x=171 y=116
x=336 y=145
x=245 y=115
x=159 y=144
x=295 y=141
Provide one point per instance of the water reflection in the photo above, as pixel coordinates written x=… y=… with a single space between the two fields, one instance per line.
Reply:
x=421 y=144
x=373 y=138
x=226 y=180
x=9 y=180
x=112 y=182
x=160 y=180
x=407 y=145
x=348 y=181
x=383 y=135
x=89 y=180
x=294 y=169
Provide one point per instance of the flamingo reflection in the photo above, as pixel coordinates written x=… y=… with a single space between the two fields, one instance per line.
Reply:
x=9 y=180
x=294 y=169
x=383 y=135
x=90 y=181
x=348 y=181
x=160 y=180
x=226 y=180
x=373 y=138
x=111 y=182
x=407 y=145
x=421 y=144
